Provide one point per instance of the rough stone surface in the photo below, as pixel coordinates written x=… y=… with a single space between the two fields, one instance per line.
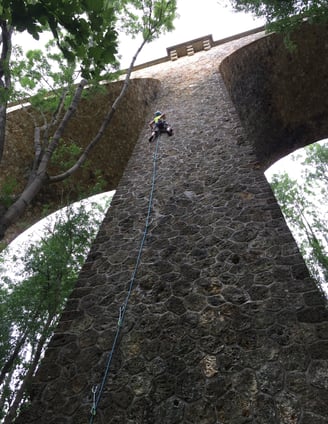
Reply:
x=224 y=325
x=280 y=94
x=109 y=158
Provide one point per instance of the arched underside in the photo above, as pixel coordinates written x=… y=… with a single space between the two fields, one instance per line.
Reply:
x=112 y=153
x=280 y=93
x=108 y=159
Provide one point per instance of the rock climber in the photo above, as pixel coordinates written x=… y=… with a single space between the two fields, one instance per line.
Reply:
x=158 y=125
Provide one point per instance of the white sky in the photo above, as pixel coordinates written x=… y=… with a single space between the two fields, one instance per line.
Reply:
x=197 y=18
x=36 y=232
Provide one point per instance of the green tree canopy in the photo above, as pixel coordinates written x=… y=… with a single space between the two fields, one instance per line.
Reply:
x=31 y=305
x=304 y=205
x=149 y=18
x=83 y=29
x=284 y=15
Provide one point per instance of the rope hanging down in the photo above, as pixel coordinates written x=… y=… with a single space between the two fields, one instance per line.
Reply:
x=97 y=393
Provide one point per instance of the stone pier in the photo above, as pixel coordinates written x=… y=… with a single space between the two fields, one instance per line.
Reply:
x=224 y=325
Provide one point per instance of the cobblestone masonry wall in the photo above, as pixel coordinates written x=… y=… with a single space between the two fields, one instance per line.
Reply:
x=280 y=95
x=109 y=158
x=224 y=324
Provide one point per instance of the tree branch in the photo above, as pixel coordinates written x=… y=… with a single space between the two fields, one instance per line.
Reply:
x=33 y=188
x=28 y=377
x=109 y=115
x=12 y=358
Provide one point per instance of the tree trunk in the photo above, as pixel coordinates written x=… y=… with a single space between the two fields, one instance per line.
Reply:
x=5 y=80
x=17 y=208
x=6 y=389
x=3 y=116
x=104 y=125
x=10 y=362
x=29 y=375
x=41 y=177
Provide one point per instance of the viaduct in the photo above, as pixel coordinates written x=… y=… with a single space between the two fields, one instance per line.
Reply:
x=223 y=323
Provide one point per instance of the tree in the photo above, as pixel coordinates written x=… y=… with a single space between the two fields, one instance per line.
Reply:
x=30 y=307
x=304 y=205
x=83 y=29
x=147 y=17
x=284 y=15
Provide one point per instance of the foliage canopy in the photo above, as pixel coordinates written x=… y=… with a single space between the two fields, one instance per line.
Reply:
x=83 y=29
x=304 y=205
x=86 y=33
x=284 y=15
x=30 y=305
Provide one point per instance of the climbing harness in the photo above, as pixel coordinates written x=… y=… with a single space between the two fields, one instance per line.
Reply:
x=97 y=393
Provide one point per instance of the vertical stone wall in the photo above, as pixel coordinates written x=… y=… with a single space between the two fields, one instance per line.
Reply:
x=224 y=325
x=279 y=93
x=109 y=158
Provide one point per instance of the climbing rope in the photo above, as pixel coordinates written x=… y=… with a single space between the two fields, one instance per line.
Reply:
x=97 y=392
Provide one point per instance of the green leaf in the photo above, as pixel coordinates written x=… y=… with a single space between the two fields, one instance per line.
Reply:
x=303 y=204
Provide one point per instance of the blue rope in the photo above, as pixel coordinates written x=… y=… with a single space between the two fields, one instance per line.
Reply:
x=98 y=393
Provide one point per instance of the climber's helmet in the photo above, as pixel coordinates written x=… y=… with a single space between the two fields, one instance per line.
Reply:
x=158 y=113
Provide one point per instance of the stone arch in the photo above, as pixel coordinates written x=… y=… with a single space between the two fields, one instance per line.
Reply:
x=110 y=157
x=225 y=325
x=281 y=94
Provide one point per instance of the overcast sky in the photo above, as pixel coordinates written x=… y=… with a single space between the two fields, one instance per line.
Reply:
x=196 y=19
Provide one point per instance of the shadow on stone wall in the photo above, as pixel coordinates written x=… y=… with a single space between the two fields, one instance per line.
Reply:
x=281 y=95
x=109 y=157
